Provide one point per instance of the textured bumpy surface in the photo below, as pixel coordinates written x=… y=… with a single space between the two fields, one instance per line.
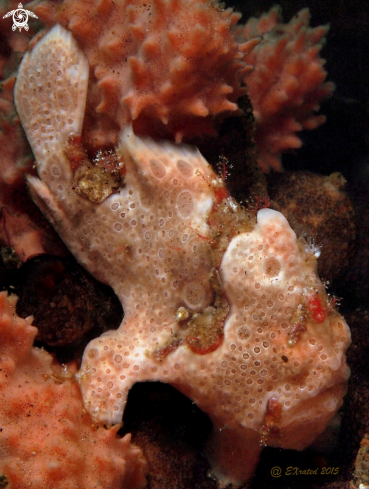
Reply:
x=288 y=82
x=170 y=66
x=47 y=439
x=225 y=307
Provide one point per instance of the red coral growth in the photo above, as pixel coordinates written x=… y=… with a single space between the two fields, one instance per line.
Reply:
x=46 y=436
x=170 y=66
x=288 y=82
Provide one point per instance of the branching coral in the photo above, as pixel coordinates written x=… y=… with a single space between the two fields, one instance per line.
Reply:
x=225 y=306
x=47 y=439
x=170 y=67
x=288 y=82
x=175 y=69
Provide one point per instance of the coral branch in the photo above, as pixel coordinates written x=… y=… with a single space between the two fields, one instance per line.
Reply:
x=288 y=82
x=169 y=66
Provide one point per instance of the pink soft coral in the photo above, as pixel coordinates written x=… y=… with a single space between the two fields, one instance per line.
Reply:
x=46 y=436
x=171 y=67
x=174 y=68
x=288 y=82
